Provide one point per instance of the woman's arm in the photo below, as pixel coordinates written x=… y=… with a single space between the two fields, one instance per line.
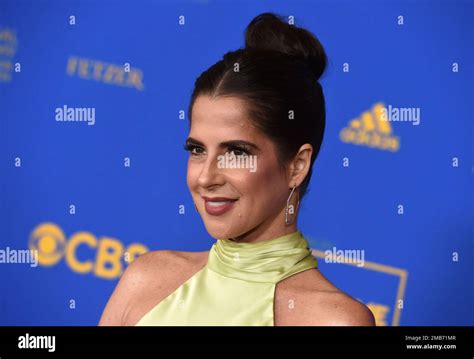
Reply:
x=129 y=286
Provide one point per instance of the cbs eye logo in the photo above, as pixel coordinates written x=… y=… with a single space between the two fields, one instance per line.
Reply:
x=107 y=262
x=48 y=239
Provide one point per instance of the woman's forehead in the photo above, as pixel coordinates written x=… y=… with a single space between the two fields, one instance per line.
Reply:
x=222 y=116
x=228 y=109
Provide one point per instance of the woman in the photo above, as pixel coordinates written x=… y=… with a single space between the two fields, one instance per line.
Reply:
x=264 y=106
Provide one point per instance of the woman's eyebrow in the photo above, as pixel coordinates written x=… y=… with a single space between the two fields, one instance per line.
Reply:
x=193 y=141
x=232 y=143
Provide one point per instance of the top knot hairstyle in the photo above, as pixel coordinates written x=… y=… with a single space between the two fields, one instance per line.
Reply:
x=278 y=75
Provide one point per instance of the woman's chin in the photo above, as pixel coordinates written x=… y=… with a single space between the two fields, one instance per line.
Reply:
x=221 y=231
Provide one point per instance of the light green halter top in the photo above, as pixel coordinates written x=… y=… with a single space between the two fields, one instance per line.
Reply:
x=237 y=285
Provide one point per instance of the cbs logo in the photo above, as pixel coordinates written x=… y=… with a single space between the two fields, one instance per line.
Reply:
x=51 y=245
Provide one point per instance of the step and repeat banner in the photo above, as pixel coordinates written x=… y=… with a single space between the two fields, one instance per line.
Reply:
x=93 y=118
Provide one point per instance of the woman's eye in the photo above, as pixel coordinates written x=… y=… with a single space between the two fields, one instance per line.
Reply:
x=238 y=151
x=194 y=150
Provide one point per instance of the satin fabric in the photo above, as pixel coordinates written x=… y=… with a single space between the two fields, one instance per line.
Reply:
x=237 y=285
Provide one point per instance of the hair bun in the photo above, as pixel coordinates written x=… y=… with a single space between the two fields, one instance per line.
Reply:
x=269 y=32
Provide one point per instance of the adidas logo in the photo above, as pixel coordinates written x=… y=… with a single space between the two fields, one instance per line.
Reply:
x=371 y=130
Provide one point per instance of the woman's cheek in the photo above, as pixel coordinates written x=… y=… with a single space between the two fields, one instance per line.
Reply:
x=192 y=176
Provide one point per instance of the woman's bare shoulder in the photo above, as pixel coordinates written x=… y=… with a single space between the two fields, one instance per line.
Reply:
x=309 y=298
x=147 y=280
x=158 y=267
x=156 y=262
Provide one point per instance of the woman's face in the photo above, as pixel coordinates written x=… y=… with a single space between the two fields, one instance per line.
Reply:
x=236 y=203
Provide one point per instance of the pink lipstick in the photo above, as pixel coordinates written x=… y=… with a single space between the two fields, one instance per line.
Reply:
x=217 y=206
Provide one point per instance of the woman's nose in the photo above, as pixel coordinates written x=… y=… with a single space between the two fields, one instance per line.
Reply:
x=210 y=174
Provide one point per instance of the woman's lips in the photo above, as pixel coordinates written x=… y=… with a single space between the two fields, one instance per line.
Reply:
x=218 y=206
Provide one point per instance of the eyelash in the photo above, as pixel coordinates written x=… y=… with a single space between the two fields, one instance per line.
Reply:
x=190 y=148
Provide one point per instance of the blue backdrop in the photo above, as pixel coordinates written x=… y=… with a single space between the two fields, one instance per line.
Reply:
x=90 y=196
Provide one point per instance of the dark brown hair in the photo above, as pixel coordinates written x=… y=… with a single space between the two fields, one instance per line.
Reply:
x=279 y=71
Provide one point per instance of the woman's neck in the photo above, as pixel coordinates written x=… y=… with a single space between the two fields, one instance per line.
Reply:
x=272 y=228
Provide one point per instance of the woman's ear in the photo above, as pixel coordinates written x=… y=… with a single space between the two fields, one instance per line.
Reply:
x=300 y=165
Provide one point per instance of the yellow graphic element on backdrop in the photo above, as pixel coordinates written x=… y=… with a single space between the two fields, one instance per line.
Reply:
x=104 y=72
x=110 y=254
x=8 y=47
x=380 y=312
x=49 y=240
x=372 y=130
